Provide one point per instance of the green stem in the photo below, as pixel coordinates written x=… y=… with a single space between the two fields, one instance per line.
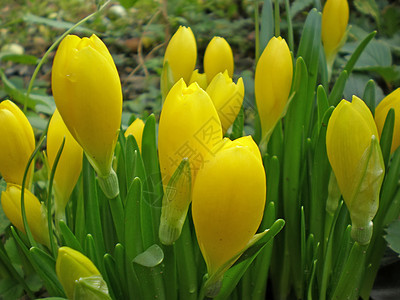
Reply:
x=257 y=29
x=53 y=245
x=42 y=61
x=277 y=18
x=290 y=26
x=23 y=211
x=352 y=274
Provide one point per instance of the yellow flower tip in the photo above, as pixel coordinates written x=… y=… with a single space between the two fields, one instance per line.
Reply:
x=228 y=202
x=87 y=91
x=35 y=213
x=200 y=78
x=335 y=17
x=181 y=53
x=273 y=81
x=17 y=143
x=390 y=101
x=218 y=57
x=136 y=129
x=71 y=265
x=227 y=97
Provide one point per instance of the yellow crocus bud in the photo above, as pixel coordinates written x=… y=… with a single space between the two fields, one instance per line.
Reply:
x=228 y=202
x=69 y=165
x=273 y=80
x=227 y=97
x=390 y=101
x=356 y=159
x=335 y=17
x=87 y=92
x=218 y=57
x=17 y=142
x=35 y=213
x=136 y=129
x=189 y=128
x=200 y=78
x=181 y=54
x=72 y=268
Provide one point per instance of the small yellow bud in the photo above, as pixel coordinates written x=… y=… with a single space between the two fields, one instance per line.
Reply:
x=136 y=129
x=181 y=54
x=273 y=80
x=335 y=17
x=189 y=128
x=390 y=101
x=228 y=201
x=87 y=92
x=17 y=142
x=218 y=57
x=70 y=163
x=35 y=212
x=72 y=266
x=227 y=97
x=200 y=78
x=356 y=159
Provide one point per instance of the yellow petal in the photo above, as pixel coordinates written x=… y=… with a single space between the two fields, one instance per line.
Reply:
x=136 y=129
x=228 y=201
x=17 y=142
x=218 y=57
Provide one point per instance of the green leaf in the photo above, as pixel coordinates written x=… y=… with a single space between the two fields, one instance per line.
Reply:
x=233 y=275
x=299 y=6
x=68 y=237
x=267 y=24
x=150 y=258
x=30 y=18
x=19 y=58
x=375 y=54
x=10 y=289
x=368 y=7
x=127 y=3
x=393 y=236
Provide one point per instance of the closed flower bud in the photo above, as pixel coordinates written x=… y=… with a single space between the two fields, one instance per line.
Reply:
x=200 y=78
x=390 y=101
x=228 y=202
x=218 y=57
x=335 y=17
x=17 y=142
x=72 y=267
x=87 y=92
x=356 y=159
x=189 y=128
x=181 y=54
x=69 y=165
x=136 y=129
x=273 y=80
x=227 y=97
x=35 y=212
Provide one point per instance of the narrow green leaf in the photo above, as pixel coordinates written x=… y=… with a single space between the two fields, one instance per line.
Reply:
x=119 y=254
x=337 y=91
x=369 y=96
x=113 y=281
x=356 y=54
x=267 y=24
x=133 y=239
x=387 y=136
x=68 y=237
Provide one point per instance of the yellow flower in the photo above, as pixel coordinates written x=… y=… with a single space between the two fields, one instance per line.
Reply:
x=227 y=98
x=335 y=17
x=72 y=266
x=390 y=101
x=35 y=212
x=218 y=57
x=70 y=163
x=17 y=142
x=356 y=159
x=87 y=92
x=200 y=78
x=273 y=80
x=181 y=54
x=228 y=201
x=136 y=129
x=189 y=127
